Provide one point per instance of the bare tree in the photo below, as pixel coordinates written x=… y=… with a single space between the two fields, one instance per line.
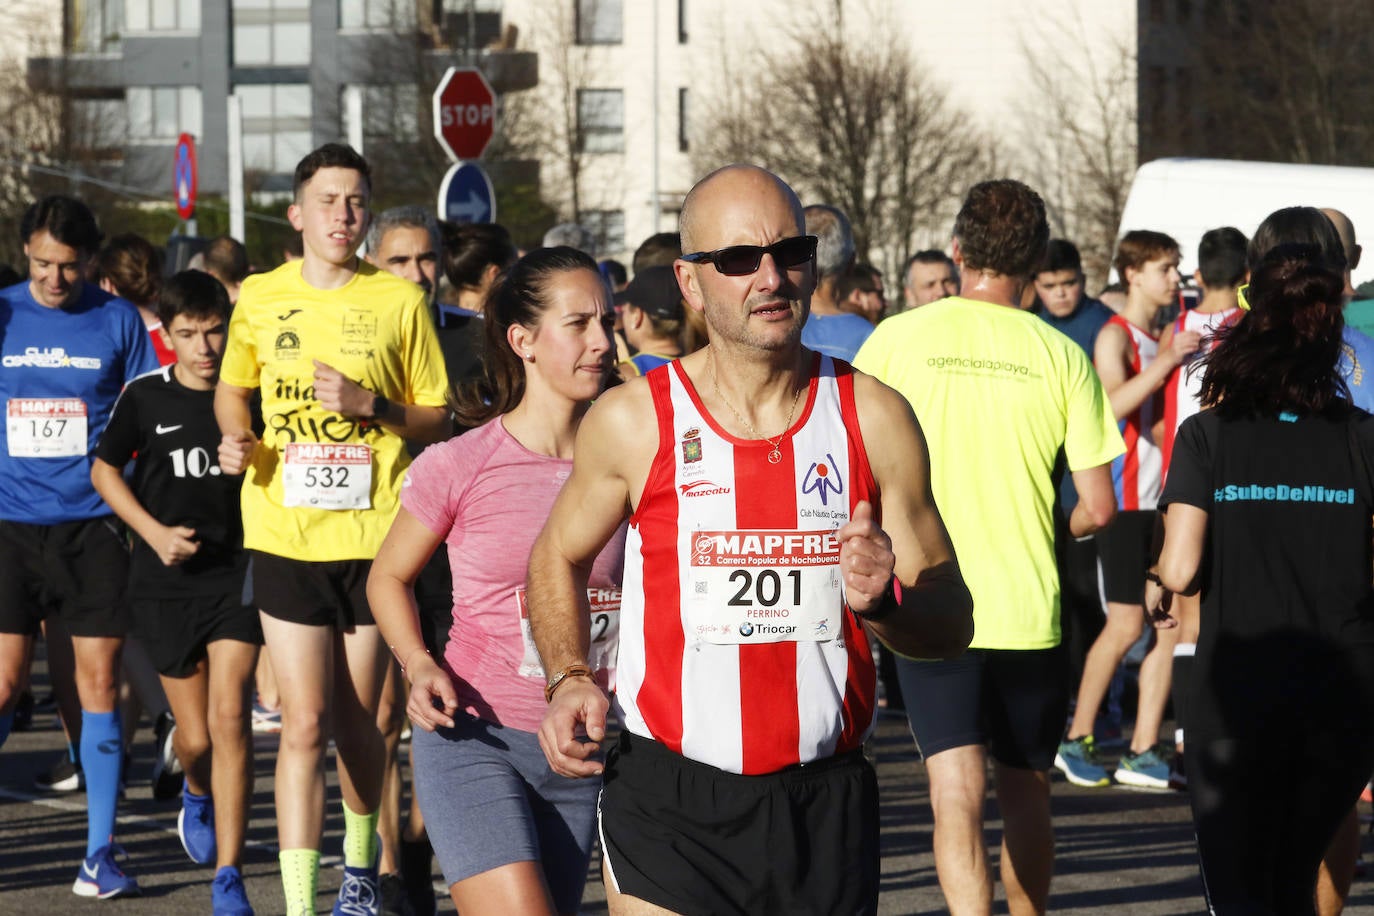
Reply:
x=1079 y=134
x=547 y=125
x=1280 y=81
x=856 y=125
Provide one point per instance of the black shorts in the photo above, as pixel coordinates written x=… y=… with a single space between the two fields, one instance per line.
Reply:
x=1123 y=547
x=697 y=840
x=327 y=594
x=1082 y=610
x=1014 y=701
x=76 y=570
x=175 y=631
x=434 y=598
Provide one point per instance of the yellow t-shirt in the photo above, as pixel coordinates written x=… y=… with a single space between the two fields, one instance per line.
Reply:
x=997 y=392
x=377 y=331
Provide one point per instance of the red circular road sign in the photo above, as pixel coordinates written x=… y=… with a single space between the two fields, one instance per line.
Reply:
x=464 y=113
x=184 y=176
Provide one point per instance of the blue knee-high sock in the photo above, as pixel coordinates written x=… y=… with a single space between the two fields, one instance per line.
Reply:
x=6 y=722
x=101 y=747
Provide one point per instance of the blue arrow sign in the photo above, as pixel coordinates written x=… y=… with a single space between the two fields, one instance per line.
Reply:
x=466 y=195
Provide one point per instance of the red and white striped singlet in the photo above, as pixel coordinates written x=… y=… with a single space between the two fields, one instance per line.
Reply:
x=1138 y=475
x=736 y=647
x=1182 y=389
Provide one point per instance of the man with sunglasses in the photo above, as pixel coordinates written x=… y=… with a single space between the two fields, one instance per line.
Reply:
x=755 y=472
x=999 y=393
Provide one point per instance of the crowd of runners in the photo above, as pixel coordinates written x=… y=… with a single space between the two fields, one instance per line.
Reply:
x=667 y=622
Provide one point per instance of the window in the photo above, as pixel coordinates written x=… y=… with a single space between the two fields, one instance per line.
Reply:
x=682 y=22
x=161 y=15
x=271 y=33
x=376 y=14
x=162 y=112
x=609 y=228
x=683 y=141
x=99 y=124
x=390 y=113
x=276 y=126
x=478 y=6
x=601 y=120
x=94 y=26
x=598 y=22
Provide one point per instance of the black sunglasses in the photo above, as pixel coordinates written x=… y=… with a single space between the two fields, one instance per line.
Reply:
x=739 y=260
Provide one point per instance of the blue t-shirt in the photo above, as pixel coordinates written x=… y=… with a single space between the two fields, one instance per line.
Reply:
x=1357 y=367
x=61 y=369
x=837 y=336
x=1082 y=324
x=643 y=362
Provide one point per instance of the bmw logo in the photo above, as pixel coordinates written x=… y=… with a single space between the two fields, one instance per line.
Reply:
x=746 y=629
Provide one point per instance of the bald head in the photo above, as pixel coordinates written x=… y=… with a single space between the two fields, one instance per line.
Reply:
x=709 y=211
x=1346 y=230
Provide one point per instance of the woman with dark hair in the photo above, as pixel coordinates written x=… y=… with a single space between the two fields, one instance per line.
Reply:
x=473 y=256
x=129 y=266
x=1310 y=226
x=1268 y=508
x=510 y=835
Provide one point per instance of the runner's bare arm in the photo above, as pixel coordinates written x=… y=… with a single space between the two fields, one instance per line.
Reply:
x=236 y=427
x=173 y=544
x=585 y=516
x=1096 y=500
x=1185 y=539
x=1112 y=359
x=391 y=595
x=339 y=393
x=934 y=618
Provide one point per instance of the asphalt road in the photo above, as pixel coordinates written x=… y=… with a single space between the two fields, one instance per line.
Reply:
x=1127 y=851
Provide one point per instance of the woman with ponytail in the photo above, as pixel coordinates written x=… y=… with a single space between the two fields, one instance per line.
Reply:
x=510 y=835
x=1268 y=510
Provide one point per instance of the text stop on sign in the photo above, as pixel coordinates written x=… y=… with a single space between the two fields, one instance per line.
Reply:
x=467 y=115
x=464 y=113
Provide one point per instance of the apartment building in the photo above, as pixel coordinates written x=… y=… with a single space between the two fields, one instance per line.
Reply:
x=141 y=72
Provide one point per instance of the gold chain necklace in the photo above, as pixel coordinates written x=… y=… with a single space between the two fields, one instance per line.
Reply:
x=775 y=453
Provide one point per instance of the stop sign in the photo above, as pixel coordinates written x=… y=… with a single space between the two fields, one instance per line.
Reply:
x=464 y=113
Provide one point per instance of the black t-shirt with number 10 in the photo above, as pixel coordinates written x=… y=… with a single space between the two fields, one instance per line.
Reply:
x=169 y=432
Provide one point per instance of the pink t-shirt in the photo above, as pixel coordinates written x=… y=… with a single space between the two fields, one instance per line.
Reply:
x=489 y=497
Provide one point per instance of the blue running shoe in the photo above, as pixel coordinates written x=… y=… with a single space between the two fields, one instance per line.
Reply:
x=1077 y=759
x=1146 y=770
x=101 y=877
x=227 y=894
x=360 y=894
x=196 y=826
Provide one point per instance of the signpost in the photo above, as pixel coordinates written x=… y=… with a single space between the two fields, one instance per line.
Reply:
x=184 y=176
x=466 y=195
x=464 y=113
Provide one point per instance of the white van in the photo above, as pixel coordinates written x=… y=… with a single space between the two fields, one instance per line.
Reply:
x=1187 y=197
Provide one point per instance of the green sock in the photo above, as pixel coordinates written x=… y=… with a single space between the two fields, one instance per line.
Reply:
x=360 y=839
x=300 y=877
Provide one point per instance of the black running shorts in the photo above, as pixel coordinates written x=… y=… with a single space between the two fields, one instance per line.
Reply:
x=1014 y=701
x=1123 y=548
x=332 y=593
x=703 y=842
x=76 y=570
x=175 y=631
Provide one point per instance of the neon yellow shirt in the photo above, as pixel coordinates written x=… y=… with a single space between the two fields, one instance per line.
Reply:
x=997 y=392
x=377 y=331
